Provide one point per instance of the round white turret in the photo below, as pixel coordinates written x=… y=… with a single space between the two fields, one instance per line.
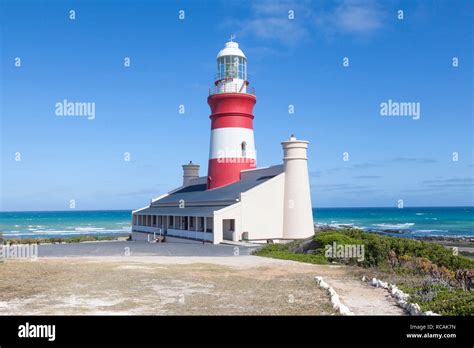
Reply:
x=297 y=211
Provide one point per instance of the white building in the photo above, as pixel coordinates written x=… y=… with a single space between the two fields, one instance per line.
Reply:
x=236 y=200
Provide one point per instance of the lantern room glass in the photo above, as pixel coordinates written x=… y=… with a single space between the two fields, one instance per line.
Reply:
x=232 y=67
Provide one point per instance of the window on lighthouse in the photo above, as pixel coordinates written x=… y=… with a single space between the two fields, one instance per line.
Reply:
x=232 y=67
x=242 y=68
x=244 y=149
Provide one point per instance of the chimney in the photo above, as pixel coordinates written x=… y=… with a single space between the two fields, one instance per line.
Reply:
x=190 y=172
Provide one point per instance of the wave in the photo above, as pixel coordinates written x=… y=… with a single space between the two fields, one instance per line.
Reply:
x=430 y=231
x=86 y=229
x=402 y=226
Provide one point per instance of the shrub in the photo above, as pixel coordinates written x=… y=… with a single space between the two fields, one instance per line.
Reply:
x=326 y=238
x=377 y=249
x=441 y=299
x=401 y=254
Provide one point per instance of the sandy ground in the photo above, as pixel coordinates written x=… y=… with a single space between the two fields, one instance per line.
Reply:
x=158 y=285
x=149 y=285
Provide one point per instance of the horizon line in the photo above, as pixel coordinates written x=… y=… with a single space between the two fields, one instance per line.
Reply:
x=99 y=210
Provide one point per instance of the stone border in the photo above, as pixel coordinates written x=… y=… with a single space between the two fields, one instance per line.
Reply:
x=335 y=300
x=400 y=296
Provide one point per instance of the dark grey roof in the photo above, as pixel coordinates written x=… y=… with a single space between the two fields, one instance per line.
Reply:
x=187 y=211
x=201 y=202
x=197 y=194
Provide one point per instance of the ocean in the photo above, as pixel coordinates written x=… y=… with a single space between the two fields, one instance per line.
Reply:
x=406 y=222
x=71 y=223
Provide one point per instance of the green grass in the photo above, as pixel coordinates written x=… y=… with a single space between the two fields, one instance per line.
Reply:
x=280 y=251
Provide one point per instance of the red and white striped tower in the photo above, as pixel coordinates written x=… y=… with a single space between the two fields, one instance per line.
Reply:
x=231 y=100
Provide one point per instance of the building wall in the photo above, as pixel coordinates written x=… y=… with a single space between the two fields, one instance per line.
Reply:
x=231 y=212
x=262 y=209
x=259 y=212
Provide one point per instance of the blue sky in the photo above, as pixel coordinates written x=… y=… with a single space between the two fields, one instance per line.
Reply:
x=291 y=62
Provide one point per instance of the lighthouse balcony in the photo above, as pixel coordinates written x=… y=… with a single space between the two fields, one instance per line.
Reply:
x=231 y=88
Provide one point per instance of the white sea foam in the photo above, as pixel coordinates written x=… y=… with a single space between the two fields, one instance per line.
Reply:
x=429 y=231
x=336 y=225
x=395 y=226
x=87 y=229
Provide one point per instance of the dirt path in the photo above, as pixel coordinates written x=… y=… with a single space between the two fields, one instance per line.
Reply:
x=363 y=299
x=360 y=297
x=241 y=285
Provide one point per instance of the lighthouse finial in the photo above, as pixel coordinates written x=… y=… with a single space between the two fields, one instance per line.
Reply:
x=232 y=37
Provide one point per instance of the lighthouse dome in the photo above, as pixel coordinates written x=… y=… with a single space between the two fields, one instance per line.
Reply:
x=231 y=49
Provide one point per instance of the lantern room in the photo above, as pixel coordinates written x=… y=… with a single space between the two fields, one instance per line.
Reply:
x=231 y=70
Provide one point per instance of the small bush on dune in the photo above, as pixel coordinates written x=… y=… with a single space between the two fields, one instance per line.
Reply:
x=328 y=238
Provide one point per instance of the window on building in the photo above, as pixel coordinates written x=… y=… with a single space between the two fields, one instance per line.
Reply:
x=201 y=224
x=184 y=220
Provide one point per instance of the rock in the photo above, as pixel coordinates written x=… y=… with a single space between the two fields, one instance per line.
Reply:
x=334 y=297
x=401 y=297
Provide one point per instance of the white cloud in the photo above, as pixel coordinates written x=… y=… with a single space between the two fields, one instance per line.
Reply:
x=279 y=29
x=356 y=17
x=269 y=20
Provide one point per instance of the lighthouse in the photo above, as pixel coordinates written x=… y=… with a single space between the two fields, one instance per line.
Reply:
x=235 y=201
x=231 y=100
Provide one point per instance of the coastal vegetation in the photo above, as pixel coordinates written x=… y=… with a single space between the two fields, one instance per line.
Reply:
x=76 y=239
x=433 y=275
